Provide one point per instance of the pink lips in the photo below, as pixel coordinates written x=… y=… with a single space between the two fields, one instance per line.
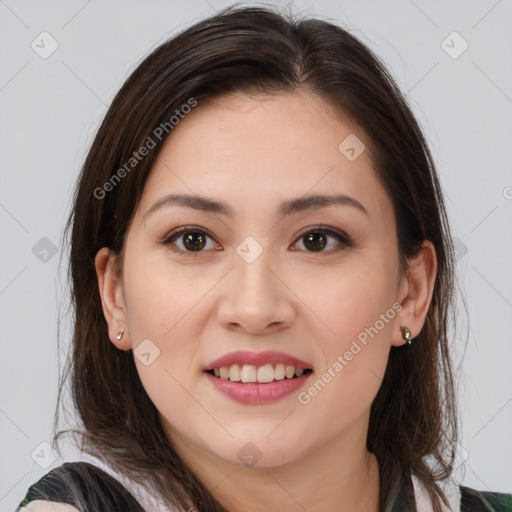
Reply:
x=257 y=359
x=257 y=393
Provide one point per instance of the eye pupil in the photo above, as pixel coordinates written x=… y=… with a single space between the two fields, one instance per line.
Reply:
x=315 y=241
x=194 y=241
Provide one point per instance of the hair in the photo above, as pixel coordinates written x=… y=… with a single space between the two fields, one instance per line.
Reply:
x=413 y=421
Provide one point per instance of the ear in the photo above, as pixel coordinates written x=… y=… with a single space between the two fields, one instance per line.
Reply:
x=112 y=297
x=415 y=292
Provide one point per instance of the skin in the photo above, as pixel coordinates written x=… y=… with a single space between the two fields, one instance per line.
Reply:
x=253 y=152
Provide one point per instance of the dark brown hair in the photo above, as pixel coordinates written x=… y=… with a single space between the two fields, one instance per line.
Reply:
x=413 y=422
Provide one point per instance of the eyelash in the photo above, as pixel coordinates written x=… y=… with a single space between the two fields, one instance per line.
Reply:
x=342 y=238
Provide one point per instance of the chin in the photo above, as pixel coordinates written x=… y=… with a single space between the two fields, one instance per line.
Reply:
x=257 y=450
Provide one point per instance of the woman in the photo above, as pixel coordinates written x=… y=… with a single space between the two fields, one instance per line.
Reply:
x=262 y=276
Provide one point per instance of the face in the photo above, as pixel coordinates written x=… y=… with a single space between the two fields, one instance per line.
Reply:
x=259 y=241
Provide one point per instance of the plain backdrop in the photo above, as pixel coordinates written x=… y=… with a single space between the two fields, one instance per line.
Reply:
x=459 y=85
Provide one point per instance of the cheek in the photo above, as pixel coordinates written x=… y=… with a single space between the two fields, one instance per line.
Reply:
x=357 y=307
x=352 y=300
x=160 y=299
x=161 y=309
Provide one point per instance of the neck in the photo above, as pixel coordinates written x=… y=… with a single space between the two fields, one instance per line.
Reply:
x=337 y=476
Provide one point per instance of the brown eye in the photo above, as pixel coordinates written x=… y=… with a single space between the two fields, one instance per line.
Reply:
x=320 y=240
x=190 y=240
x=315 y=241
x=194 y=241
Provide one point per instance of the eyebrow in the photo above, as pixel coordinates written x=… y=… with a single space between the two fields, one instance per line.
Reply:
x=289 y=207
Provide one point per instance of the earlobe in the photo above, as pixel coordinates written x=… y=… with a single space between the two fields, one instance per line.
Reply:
x=111 y=293
x=415 y=294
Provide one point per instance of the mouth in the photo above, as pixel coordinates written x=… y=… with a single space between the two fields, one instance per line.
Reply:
x=264 y=374
x=246 y=367
x=258 y=378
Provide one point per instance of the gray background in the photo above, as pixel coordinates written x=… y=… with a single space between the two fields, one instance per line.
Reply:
x=51 y=108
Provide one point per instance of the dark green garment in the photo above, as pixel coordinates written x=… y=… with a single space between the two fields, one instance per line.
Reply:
x=90 y=489
x=85 y=486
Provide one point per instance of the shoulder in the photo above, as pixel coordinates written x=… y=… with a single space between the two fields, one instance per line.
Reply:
x=473 y=500
x=460 y=498
x=78 y=486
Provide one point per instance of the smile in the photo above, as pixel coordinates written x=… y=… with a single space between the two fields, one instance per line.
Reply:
x=249 y=373
x=253 y=378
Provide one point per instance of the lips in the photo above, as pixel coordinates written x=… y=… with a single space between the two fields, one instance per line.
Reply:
x=257 y=393
x=245 y=357
x=257 y=377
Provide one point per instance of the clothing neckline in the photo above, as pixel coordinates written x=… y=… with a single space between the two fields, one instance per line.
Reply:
x=408 y=495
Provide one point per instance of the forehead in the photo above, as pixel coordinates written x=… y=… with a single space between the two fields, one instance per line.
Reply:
x=263 y=149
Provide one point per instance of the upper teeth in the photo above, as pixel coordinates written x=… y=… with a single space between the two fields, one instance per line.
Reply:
x=252 y=373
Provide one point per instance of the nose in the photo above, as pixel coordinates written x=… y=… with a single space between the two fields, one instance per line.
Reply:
x=256 y=298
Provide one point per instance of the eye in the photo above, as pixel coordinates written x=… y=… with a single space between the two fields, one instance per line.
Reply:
x=317 y=240
x=191 y=239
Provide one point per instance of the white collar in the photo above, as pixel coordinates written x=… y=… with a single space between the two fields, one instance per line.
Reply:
x=423 y=502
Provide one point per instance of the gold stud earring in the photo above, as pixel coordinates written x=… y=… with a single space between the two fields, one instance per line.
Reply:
x=406 y=335
x=120 y=335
